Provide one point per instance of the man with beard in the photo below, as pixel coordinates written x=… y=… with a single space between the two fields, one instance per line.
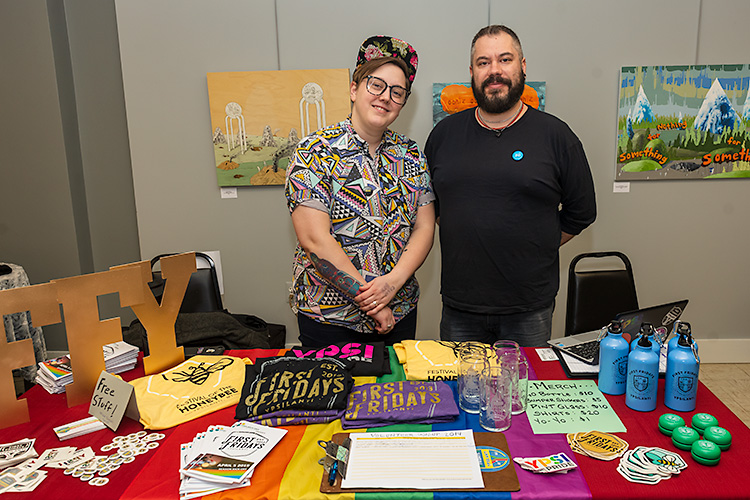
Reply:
x=513 y=185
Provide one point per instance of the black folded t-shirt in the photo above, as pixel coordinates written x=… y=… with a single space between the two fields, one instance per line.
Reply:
x=284 y=383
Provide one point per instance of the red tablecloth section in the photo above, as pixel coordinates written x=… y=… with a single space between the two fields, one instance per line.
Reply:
x=725 y=481
x=51 y=410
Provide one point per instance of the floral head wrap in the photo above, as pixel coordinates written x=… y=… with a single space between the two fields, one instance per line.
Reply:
x=387 y=46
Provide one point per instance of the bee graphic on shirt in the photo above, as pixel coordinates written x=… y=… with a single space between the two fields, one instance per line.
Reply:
x=200 y=373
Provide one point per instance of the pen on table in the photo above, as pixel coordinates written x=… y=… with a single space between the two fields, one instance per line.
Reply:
x=332 y=474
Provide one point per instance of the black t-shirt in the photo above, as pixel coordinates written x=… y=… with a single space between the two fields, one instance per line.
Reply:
x=275 y=384
x=503 y=202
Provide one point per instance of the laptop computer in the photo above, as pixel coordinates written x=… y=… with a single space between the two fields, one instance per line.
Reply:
x=585 y=346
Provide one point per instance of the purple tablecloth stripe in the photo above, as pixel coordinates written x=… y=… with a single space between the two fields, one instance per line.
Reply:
x=570 y=486
x=523 y=443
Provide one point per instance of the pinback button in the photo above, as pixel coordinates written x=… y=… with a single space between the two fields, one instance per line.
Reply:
x=684 y=437
x=669 y=422
x=718 y=435
x=701 y=421
x=705 y=452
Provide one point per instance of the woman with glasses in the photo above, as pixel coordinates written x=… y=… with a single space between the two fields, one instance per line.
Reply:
x=362 y=207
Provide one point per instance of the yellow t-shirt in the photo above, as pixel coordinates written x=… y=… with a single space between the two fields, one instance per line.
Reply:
x=434 y=360
x=428 y=359
x=196 y=387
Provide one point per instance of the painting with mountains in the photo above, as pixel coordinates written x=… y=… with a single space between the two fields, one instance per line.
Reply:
x=683 y=122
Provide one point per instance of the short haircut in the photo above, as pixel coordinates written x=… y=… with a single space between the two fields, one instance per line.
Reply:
x=494 y=30
x=366 y=69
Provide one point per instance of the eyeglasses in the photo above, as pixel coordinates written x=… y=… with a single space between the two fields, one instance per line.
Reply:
x=376 y=86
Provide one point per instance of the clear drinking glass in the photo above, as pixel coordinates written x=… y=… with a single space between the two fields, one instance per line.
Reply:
x=523 y=384
x=472 y=358
x=495 y=402
x=510 y=355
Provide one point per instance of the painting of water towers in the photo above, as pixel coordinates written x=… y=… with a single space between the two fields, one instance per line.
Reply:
x=258 y=117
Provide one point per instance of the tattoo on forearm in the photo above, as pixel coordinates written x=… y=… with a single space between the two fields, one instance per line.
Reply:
x=341 y=280
x=389 y=288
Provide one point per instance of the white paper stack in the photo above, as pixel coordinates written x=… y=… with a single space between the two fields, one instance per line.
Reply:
x=224 y=457
x=55 y=374
x=78 y=428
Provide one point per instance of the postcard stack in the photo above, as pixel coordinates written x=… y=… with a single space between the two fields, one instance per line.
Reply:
x=55 y=374
x=224 y=458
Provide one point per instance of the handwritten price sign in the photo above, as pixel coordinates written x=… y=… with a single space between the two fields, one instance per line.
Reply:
x=566 y=406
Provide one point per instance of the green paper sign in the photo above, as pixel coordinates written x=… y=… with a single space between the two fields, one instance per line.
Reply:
x=567 y=406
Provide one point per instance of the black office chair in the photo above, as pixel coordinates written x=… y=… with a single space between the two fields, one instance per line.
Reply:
x=202 y=294
x=596 y=297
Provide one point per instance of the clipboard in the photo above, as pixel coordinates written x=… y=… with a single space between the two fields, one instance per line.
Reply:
x=504 y=479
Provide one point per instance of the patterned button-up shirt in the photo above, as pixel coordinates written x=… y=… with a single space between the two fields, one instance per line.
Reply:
x=373 y=207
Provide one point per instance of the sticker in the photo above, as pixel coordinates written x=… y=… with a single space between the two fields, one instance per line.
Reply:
x=492 y=459
x=86 y=477
x=152 y=445
x=517 y=155
x=99 y=481
x=552 y=463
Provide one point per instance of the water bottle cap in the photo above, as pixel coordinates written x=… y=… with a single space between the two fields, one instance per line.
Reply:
x=705 y=452
x=647 y=329
x=684 y=340
x=683 y=328
x=615 y=326
x=644 y=341
x=718 y=435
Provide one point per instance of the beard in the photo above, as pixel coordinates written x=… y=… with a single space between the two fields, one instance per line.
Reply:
x=496 y=103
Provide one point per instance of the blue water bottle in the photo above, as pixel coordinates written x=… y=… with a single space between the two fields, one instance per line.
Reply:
x=643 y=376
x=681 y=385
x=613 y=360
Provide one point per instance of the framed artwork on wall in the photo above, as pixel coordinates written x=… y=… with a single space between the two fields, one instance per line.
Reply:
x=683 y=122
x=258 y=117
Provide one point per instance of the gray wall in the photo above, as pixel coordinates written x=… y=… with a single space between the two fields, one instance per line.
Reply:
x=685 y=239
x=67 y=204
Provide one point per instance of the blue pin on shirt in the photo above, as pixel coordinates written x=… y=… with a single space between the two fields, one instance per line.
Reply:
x=517 y=155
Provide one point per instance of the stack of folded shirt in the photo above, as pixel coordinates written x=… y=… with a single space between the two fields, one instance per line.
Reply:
x=406 y=402
x=286 y=391
x=368 y=359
